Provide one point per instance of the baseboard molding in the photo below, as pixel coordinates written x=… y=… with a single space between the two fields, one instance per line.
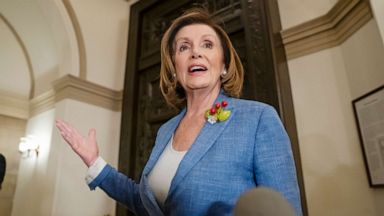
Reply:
x=329 y=30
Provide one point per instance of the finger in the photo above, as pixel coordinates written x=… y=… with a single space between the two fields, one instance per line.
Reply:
x=59 y=124
x=68 y=129
x=67 y=138
x=65 y=131
x=62 y=126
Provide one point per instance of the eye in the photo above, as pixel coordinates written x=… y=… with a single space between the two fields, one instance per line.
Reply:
x=208 y=45
x=183 y=47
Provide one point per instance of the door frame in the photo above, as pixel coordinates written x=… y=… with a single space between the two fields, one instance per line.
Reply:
x=281 y=98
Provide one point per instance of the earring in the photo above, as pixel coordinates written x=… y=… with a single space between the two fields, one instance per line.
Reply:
x=223 y=73
x=174 y=74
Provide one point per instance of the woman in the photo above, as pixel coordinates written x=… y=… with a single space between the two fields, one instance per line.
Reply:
x=216 y=148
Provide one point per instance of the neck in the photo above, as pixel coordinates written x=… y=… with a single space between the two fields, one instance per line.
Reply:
x=199 y=102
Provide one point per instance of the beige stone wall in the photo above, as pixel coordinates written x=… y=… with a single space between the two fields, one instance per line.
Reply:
x=11 y=129
x=86 y=40
x=324 y=83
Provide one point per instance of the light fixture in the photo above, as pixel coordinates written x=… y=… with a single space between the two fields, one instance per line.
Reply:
x=28 y=144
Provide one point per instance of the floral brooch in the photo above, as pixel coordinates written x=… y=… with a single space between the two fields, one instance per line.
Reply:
x=217 y=113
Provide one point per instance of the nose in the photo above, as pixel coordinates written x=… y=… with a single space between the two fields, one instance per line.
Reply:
x=196 y=54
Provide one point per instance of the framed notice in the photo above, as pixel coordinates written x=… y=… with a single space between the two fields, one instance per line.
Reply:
x=369 y=114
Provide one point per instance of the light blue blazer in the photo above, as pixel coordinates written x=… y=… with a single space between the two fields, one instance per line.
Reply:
x=249 y=149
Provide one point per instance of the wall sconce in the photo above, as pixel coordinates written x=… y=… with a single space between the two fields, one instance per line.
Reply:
x=27 y=145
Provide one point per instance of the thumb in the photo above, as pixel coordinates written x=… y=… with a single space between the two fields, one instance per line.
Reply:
x=92 y=135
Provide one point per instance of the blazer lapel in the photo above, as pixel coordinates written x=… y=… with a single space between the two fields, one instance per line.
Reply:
x=204 y=141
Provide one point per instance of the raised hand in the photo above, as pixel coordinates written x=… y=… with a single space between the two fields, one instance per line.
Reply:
x=85 y=147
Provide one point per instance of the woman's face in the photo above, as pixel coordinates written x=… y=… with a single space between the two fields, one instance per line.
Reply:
x=199 y=58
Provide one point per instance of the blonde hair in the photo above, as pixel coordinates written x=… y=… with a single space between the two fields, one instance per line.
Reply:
x=172 y=91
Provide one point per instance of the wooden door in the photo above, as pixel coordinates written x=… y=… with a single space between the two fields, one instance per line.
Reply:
x=252 y=25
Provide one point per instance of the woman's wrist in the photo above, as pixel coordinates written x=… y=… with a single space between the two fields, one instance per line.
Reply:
x=95 y=169
x=91 y=161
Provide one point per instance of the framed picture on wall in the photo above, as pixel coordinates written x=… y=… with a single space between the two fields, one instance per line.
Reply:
x=369 y=115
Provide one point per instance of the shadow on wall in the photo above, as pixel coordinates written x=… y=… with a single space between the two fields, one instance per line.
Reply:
x=334 y=184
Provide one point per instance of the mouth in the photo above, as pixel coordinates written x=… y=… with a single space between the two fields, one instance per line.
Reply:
x=197 y=68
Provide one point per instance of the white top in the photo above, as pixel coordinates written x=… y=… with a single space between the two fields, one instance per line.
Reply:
x=161 y=176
